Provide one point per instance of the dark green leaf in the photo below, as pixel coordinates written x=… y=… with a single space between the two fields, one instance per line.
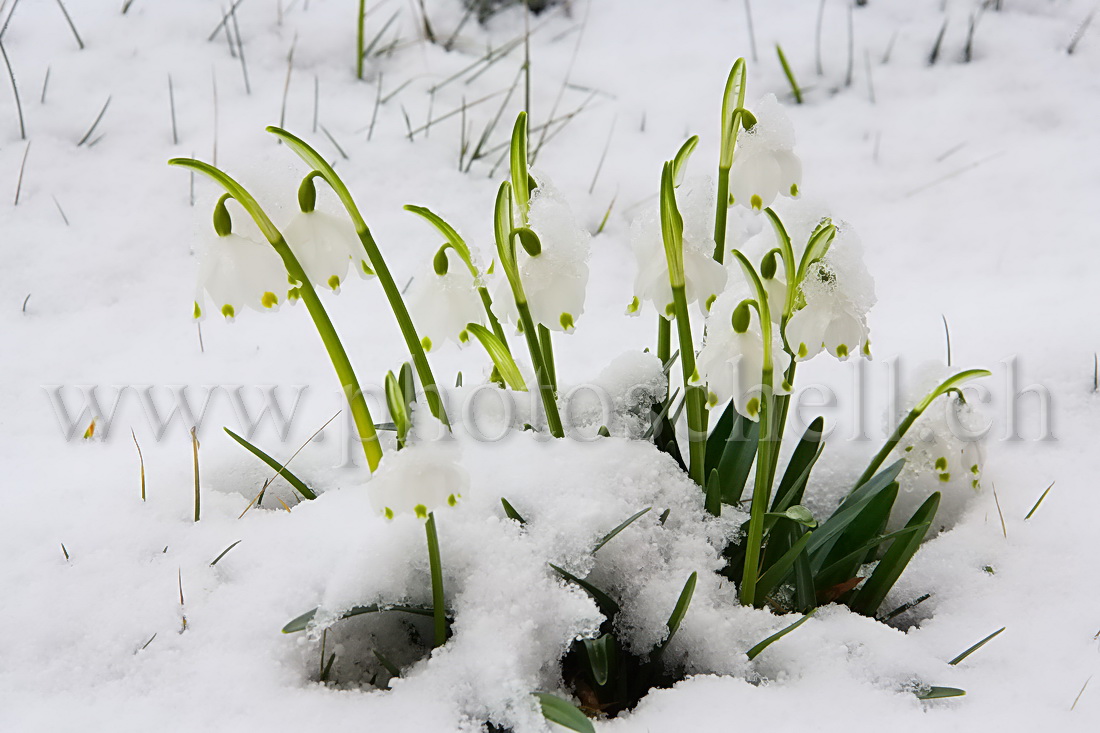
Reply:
x=301 y=623
x=777 y=572
x=755 y=651
x=976 y=647
x=279 y=468
x=851 y=507
x=611 y=535
x=712 y=502
x=893 y=563
x=867 y=524
x=678 y=613
x=806 y=453
x=938 y=693
x=607 y=605
x=835 y=572
x=731 y=448
x=511 y=512
x=599 y=652
x=564 y=713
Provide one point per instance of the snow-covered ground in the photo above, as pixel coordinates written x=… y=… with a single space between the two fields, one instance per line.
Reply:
x=972 y=186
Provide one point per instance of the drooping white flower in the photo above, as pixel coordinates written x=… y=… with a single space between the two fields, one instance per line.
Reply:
x=941 y=451
x=838 y=293
x=325 y=245
x=235 y=271
x=764 y=164
x=556 y=279
x=704 y=278
x=731 y=363
x=441 y=305
x=418 y=480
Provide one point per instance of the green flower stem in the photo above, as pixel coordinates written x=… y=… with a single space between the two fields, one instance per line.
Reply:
x=506 y=252
x=364 y=424
x=548 y=356
x=664 y=339
x=672 y=235
x=439 y=612
x=790 y=267
x=542 y=374
x=765 y=462
x=903 y=427
x=721 y=212
x=378 y=264
x=733 y=101
x=494 y=323
x=695 y=397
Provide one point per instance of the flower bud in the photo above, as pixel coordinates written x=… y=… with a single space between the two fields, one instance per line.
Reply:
x=741 y=316
x=439 y=263
x=307 y=193
x=223 y=224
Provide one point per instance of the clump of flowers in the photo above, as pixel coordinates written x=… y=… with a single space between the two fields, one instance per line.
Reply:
x=810 y=294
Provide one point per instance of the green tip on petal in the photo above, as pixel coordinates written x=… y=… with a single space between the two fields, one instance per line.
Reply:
x=710 y=301
x=712 y=399
x=426 y=343
x=802 y=350
x=975 y=470
x=421 y=511
x=452 y=500
x=269 y=300
x=941 y=463
x=867 y=349
x=975 y=484
x=842 y=351
x=464 y=336
x=908 y=449
x=334 y=282
x=197 y=313
x=228 y=311
x=787 y=386
x=366 y=267
x=293 y=294
x=670 y=310
x=945 y=477
x=756 y=202
x=387 y=513
x=566 y=322
x=695 y=376
x=635 y=304
x=753 y=407
x=794 y=190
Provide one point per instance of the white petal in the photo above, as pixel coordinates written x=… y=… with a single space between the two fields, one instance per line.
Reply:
x=324 y=245
x=441 y=306
x=790 y=172
x=754 y=178
x=806 y=332
x=844 y=335
x=422 y=476
x=236 y=271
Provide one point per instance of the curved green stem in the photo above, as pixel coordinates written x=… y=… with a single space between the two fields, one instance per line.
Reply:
x=907 y=422
x=506 y=253
x=733 y=100
x=458 y=244
x=378 y=264
x=765 y=462
x=348 y=381
x=790 y=267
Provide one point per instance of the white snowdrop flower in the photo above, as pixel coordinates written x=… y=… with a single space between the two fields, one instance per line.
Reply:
x=941 y=453
x=236 y=271
x=325 y=245
x=764 y=164
x=838 y=294
x=704 y=279
x=442 y=304
x=556 y=279
x=418 y=480
x=731 y=362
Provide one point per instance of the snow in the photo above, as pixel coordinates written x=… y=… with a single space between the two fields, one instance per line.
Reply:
x=972 y=186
